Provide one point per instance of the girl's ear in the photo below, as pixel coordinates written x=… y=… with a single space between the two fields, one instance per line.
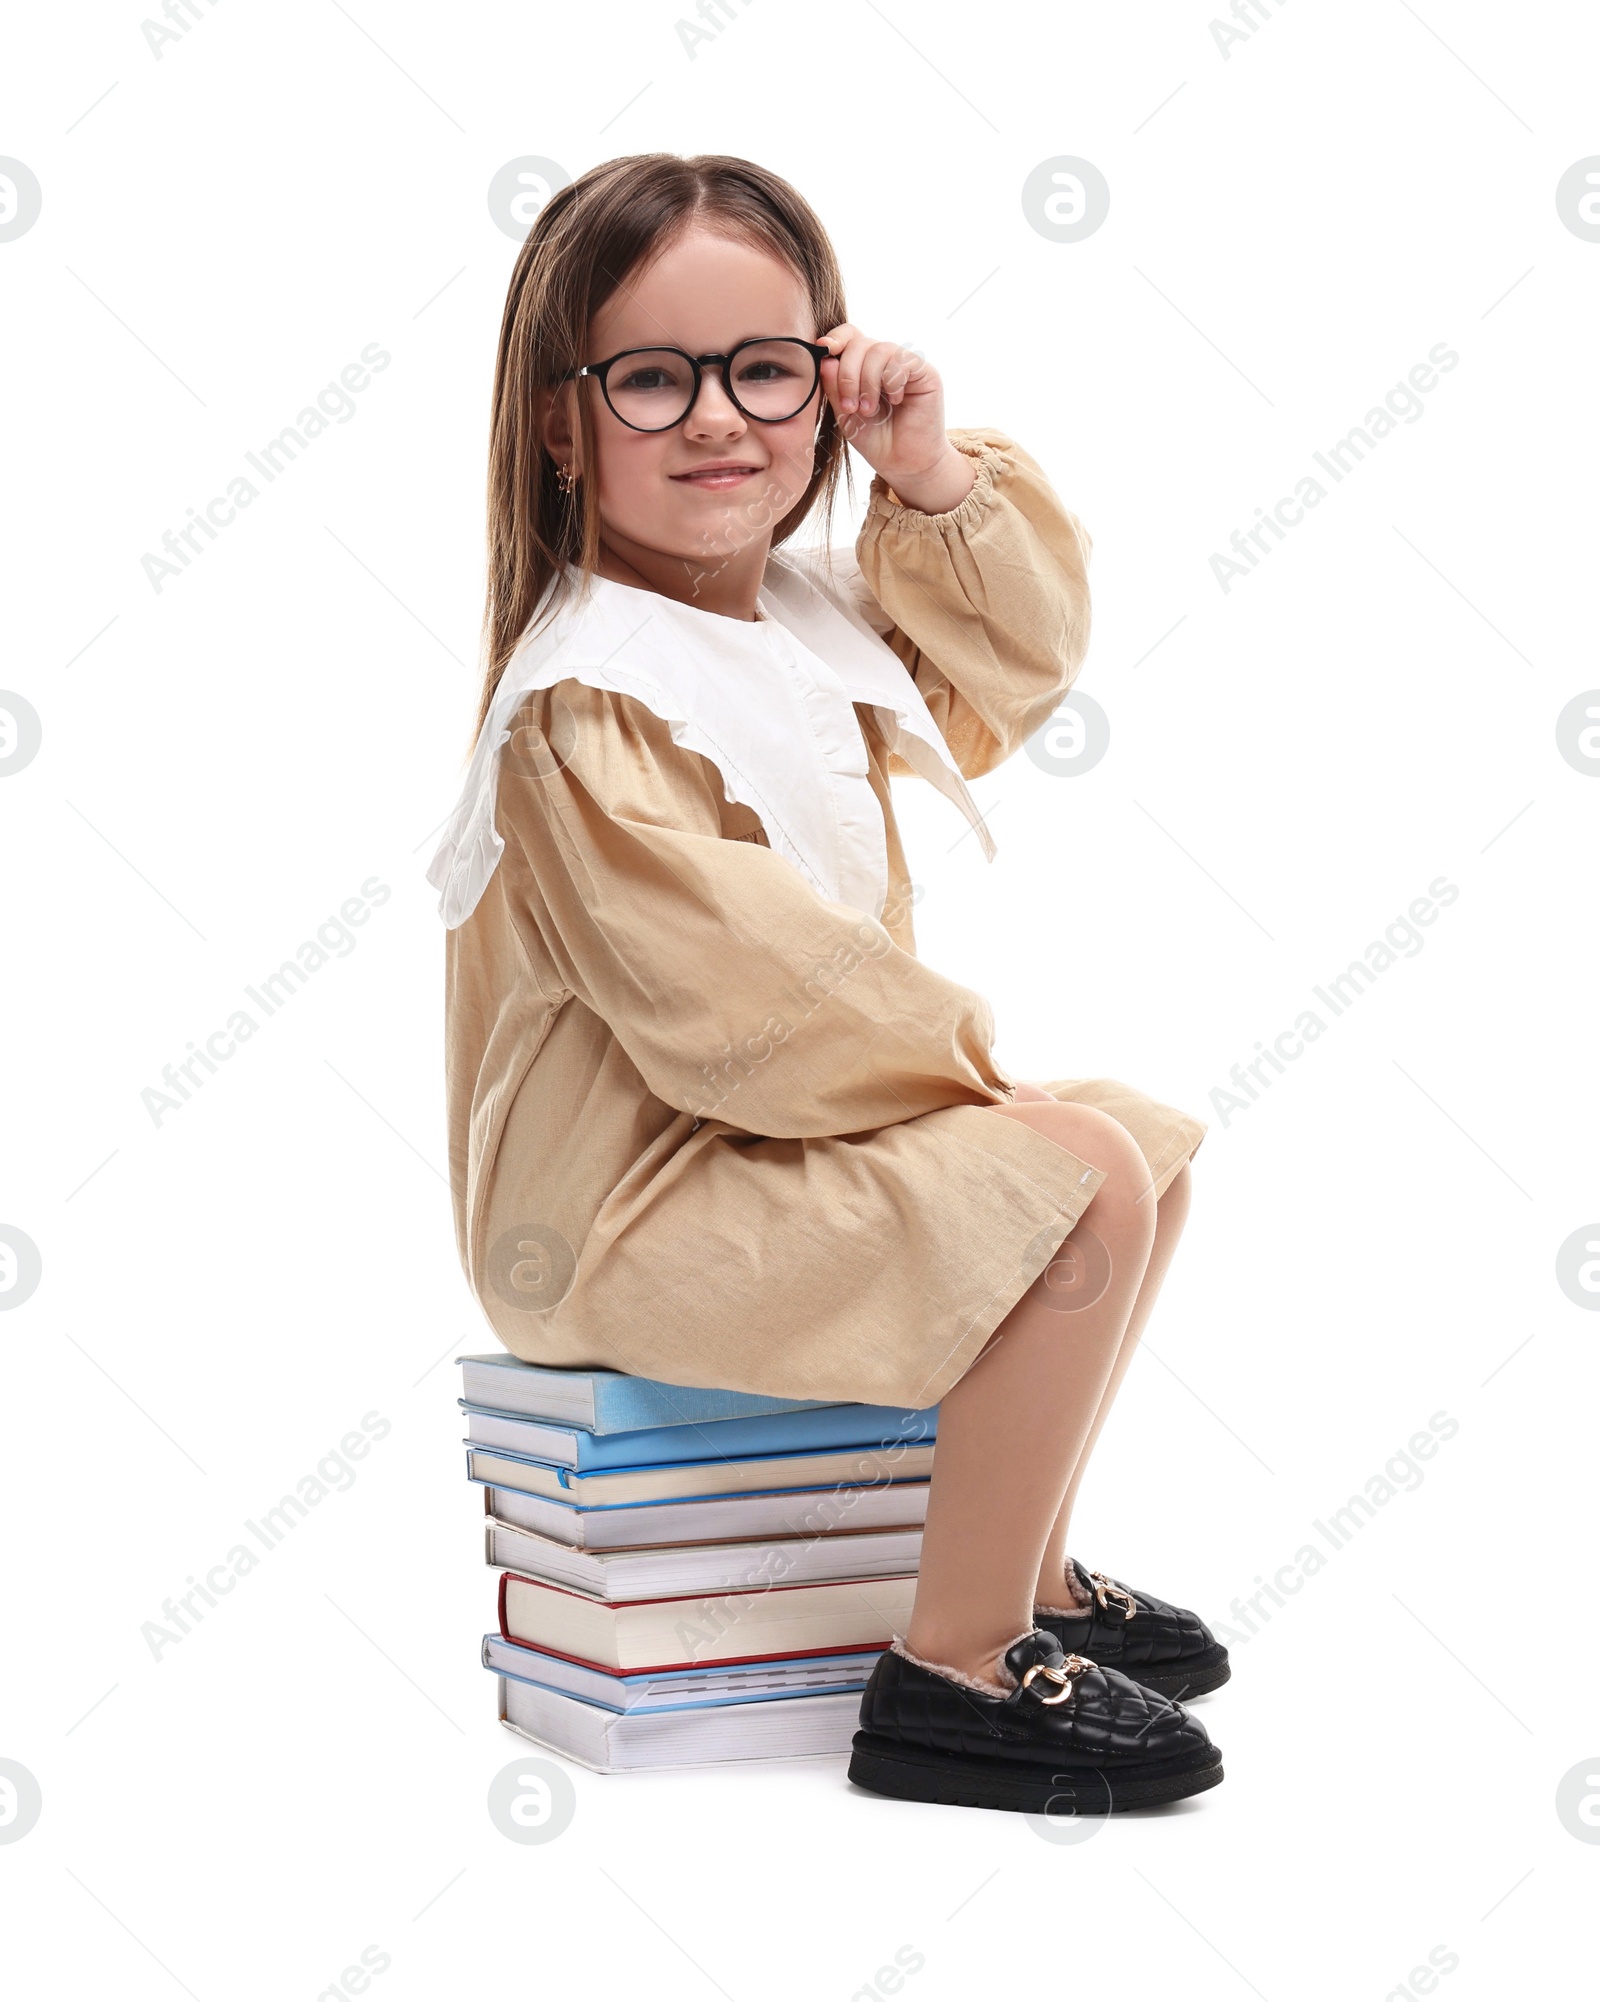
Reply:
x=552 y=412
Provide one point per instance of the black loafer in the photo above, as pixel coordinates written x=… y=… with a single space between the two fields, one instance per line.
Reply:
x=1166 y=1648
x=1070 y=1738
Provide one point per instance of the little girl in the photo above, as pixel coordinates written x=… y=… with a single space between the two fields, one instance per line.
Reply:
x=711 y=1119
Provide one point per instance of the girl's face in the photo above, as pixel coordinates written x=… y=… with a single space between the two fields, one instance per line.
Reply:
x=709 y=491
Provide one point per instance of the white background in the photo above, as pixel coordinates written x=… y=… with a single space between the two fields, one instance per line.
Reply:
x=1292 y=227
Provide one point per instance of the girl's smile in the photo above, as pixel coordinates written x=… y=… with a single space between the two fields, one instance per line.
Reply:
x=719 y=478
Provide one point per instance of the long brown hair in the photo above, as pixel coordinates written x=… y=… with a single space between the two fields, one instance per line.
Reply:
x=588 y=238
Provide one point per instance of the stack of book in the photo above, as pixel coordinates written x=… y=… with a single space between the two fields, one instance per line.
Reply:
x=689 y=1576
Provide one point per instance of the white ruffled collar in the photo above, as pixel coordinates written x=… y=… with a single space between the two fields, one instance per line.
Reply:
x=768 y=701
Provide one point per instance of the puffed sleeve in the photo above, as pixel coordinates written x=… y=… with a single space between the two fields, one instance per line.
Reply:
x=987 y=605
x=736 y=991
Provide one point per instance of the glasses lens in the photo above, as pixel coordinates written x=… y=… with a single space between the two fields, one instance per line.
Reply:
x=773 y=379
x=651 y=389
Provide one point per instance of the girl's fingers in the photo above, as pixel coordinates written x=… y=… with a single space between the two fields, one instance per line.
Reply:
x=870 y=380
x=885 y=371
x=854 y=387
x=865 y=379
x=847 y=385
x=869 y=369
x=839 y=339
x=897 y=375
x=893 y=375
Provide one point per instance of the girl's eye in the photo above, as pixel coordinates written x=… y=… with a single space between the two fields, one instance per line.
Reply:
x=651 y=372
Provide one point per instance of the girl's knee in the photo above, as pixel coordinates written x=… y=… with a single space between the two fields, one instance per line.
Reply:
x=1123 y=1208
x=1124 y=1205
x=1102 y=1142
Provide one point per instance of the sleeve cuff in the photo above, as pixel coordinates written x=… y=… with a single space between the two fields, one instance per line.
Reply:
x=987 y=449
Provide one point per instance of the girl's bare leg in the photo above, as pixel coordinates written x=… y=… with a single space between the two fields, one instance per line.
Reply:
x=1172 y=1210
x=1012 y=1430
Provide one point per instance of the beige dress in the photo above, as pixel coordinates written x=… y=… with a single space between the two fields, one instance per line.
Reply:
x=709 y=1126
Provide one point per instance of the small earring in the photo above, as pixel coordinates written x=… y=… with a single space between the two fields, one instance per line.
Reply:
x=567 y=480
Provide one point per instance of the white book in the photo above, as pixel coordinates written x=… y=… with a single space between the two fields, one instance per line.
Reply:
x=796 y=1727
x=803 y=1512
x=684 y=1688
x=619 y=1575
x=755 y=1474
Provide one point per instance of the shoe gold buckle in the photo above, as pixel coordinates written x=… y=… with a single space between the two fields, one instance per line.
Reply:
x=1105 y=1591
x=1071 y=1668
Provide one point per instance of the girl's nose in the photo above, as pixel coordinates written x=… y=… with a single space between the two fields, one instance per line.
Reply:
x=713 y=407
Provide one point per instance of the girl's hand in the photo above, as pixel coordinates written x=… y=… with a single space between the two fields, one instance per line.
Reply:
x=1030 y=1093
x=890 y=406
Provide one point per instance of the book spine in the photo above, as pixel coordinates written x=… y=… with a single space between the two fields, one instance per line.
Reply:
x=639 y=1404
x=780 y=1435
x=580 y=1483
x=656 y=1668
x=704 y=1599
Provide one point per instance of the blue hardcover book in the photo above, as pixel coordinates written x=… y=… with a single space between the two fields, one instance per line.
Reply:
x=807 y=1429
x=603 y=1400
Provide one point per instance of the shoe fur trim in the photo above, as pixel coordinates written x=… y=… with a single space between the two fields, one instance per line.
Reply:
x=1078 y=1607
x=897 y=1646
x=1067 y=1612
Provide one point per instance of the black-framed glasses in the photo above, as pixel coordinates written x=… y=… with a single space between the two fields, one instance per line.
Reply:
x=769 y=378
